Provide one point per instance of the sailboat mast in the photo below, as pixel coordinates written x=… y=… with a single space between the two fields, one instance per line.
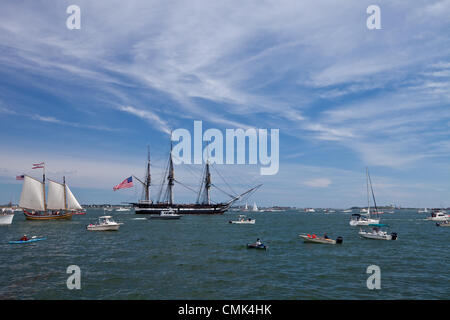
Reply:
x=65 y=197
x=170 y=176
x=43 y=188
x=368 y=195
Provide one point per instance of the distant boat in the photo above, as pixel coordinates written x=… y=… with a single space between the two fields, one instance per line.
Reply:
x=243 y=220
x=358 y=219
x=438 y=215
x=347 y=211
x=377 y=233
x=121 y=209
x=425 y=210
x=309 y=210
x=59 y=204
x=255 y=208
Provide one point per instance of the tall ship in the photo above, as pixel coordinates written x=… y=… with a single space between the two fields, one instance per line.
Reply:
x=165 y=198
x=60 y=202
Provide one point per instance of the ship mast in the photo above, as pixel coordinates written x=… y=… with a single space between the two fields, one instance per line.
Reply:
x=43 y=188
x=65 y=197
x=170 y=176
x=207 y=183
x=148 y=177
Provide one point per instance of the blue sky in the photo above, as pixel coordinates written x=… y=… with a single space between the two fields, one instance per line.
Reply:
x=89 y=101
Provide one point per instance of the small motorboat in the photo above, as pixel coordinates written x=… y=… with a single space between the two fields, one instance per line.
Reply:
x=6 y=216
x=32 y=239
x=438 y=215
x=243 y=220
x=105 y=223
x=314 y=239
x=377 y=233
x=443 y=224
x=256 y=246
x=122 y=209
x=166 y=215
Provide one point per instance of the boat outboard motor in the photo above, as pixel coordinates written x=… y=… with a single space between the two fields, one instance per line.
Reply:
x=394 y=235
x=339 y=240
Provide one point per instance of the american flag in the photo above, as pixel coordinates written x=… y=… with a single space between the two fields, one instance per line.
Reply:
x=127 y=183
x=38 y=165
x=20 y=177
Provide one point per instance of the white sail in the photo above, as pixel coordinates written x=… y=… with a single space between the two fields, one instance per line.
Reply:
x=255 y=208
x=32 y=196
x=55 y=200
x=72 y=203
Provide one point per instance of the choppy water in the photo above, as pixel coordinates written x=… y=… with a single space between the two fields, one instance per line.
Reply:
x=205 y=257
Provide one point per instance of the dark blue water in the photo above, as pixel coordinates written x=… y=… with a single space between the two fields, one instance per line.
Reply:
x=205 y=257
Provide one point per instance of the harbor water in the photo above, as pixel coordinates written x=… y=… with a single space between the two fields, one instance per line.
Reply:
x=205 y=257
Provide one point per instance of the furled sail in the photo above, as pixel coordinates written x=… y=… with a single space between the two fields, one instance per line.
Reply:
x=55 y=200
x=32 y=196
x=72 y=203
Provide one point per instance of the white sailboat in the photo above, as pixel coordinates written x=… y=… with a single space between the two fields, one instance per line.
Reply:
x=60 y=204
x=357 y=219
x=255 y=208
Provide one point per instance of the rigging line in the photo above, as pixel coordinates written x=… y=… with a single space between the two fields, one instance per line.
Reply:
x=224 y=180
x=231 y=196
x=195 y=191
x=373 y=195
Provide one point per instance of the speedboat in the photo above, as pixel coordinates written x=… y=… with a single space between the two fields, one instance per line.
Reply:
x=105 y=223
x=6 y=216
x=377 y=233
x=243 y=220
x=359 y=220
x=438 y=215
x=314 y=239
x=166 y=215
x=310 y=210
x=121 y=209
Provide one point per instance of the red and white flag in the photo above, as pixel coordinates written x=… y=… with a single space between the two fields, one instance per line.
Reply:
x=38 y=165
x=127 y=183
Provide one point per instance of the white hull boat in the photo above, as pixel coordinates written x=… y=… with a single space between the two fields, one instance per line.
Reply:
x=438 y=216
x=362 y=221
x=358 y=219
x=122 y=209
x=105 y=223
x=312 y=239
x=166 y=215
x=243 y=220
x=378 y=235
x=6 y=216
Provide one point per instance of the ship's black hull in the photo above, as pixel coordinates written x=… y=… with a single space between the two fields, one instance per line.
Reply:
x=157 y=208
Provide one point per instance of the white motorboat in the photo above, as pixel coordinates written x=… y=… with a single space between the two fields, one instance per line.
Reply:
x=243 y=220
x=438 y=215
x=377 y=233
x=347 y=211
x=6 y=216
x=425 y=210
x=325 y=240
x=166 y=215
x=121 y=209
x=105 y=223
x=311 y=210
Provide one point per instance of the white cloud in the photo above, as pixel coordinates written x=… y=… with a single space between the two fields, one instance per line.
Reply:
x=318 y=183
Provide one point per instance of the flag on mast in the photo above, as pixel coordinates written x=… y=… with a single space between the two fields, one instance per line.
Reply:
x=22 y=177
x=38 y=165
x=127 y=183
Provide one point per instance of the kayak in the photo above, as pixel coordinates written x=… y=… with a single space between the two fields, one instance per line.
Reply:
x=256 y=246
x=28 y=241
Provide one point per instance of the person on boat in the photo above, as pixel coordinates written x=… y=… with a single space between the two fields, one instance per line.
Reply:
x=24 y=238
x=325 y=236
x=258 y=242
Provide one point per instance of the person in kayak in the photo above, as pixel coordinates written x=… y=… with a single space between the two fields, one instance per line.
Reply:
x=24 y=238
